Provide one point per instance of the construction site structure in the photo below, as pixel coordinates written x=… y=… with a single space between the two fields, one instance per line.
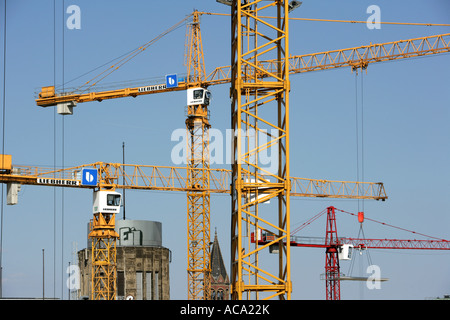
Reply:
x=104 y=178
x=260 y=103
x=104 y=237
x=340 y=248
x=355 y=57
x=259 y=75
x=198 y=200
x=117 y=176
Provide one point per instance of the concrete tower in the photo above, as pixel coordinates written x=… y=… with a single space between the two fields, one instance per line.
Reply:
x=142 y=262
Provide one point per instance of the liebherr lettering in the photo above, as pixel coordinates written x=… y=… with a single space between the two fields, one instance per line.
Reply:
x=59 y=182
x=152 y=88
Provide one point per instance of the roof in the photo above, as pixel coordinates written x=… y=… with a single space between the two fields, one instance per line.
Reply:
x=217 y=265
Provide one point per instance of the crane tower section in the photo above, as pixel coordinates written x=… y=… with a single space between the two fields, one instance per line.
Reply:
x=260 y=119
x=198 y=196
x=103 y=239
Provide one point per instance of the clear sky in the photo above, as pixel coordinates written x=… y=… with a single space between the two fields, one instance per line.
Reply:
x=406 y=114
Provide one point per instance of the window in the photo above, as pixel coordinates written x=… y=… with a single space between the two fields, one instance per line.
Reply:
x=156 y=286
x=120 y=284
x=148 y=285
x=350 y=252
x=139 y=284
x=198 y=94
x=207 y=97
x=113 y=200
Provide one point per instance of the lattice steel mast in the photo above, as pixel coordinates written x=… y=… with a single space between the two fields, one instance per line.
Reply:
x=260 y=111
x=198 y=199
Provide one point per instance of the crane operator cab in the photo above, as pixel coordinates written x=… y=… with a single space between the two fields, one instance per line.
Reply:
x=107 y=202
x=196 y=96
x=345 y=252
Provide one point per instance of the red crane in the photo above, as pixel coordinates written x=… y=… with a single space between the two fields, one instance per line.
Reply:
x=340 y=248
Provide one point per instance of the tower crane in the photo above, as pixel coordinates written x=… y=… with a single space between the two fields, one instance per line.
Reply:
x=354 y=57
x=166 y=178
x=255 y=91
x=340 y=248
x=258 y=76
x=104 y=178
x=198 y=200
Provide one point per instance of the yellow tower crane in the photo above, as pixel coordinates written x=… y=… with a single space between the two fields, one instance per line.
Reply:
x=355 y=57
x=198 y=200
x=259 y=75
x=113 y=176
x=103 y=237
x=260 y=103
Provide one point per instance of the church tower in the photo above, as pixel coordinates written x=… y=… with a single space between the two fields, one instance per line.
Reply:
x=220 y=284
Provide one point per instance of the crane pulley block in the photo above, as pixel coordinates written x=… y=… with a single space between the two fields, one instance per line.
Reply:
x=360 y=217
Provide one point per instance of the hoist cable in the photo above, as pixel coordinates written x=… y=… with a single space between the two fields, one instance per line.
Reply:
x=3 y=150
x=359 y=119
x=54 y=151
x=362 y=132
x=369 y=259
x=62 y=159
x=357 y=131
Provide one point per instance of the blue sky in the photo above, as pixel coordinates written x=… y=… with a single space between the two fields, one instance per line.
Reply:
x=406 y=116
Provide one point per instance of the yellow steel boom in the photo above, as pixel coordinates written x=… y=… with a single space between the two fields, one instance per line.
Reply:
x=357 y=57
x=147 y=177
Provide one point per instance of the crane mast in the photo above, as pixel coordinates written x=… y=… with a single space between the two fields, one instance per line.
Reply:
x=260 y=105
x=332 y=269
x=103 y=239
x=198 y=198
